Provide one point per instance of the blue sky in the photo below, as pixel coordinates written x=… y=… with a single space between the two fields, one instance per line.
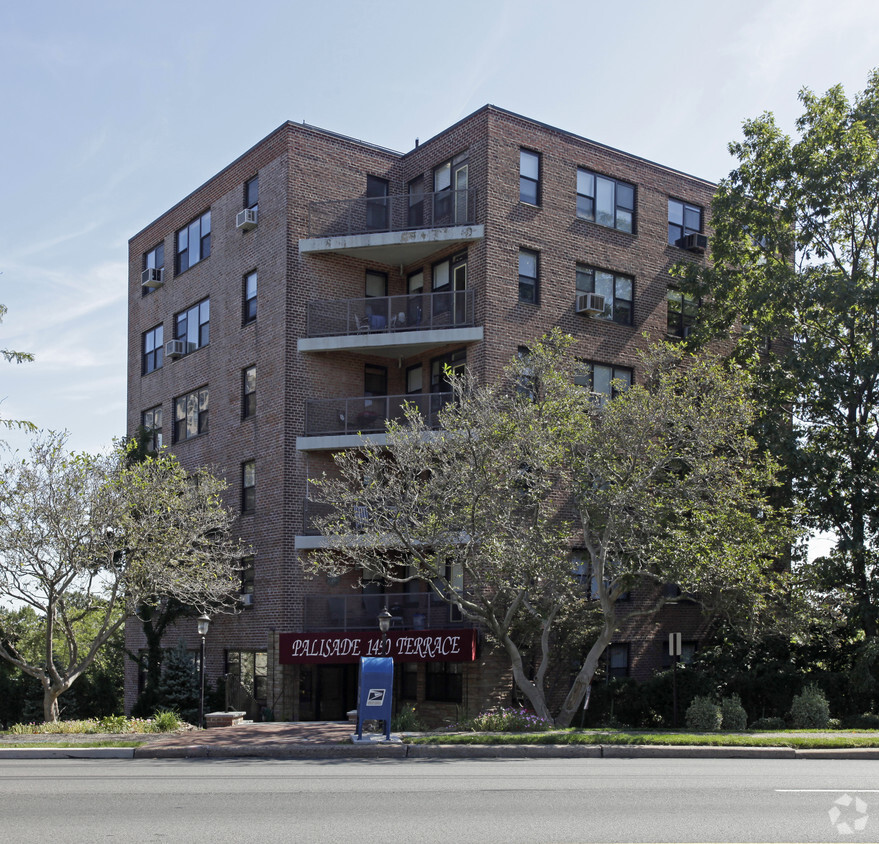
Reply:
x=114 y=111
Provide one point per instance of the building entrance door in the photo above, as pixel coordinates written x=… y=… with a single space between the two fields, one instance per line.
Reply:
x=335 y=692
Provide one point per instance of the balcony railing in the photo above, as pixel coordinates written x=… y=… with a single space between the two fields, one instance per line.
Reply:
x=366 y=414
x=390 y=314
x=409 y=611
x=406 y=212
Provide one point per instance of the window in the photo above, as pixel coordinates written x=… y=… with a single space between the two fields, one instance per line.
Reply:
x=416 y=202
x=453 y=360
x=153 y=260
x=605 y=201
x=248 y=402
x=376 y=284
x=194 y=242
x=152 y=350
x=414 y=379
x=249 y=311
x=151 y=420
x=375 y=380
x=251 y=193
x=250 y=670
x=191 y=415
x=450 y=278
x=581 y=570
x=193 y=326
x=247 y=578
x=604 y=379
x=683 y=219
x=528 y=290
x=618 y=659
x=376 y=203
x=616 y=289
x=450 y=201
x=248 y=486
x=529 y=177
x=409 y=683
x=682 y=313
x=444 y=681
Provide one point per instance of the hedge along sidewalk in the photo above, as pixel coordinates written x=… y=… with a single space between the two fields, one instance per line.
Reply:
x=802 y=739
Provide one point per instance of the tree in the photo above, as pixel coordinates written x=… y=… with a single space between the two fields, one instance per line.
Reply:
x=11 y=356
x=87 y=540
x=794 y=250
x=661 y=484
x=178 y=690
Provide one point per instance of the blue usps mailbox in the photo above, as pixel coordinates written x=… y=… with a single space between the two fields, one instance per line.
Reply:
x=376 y=683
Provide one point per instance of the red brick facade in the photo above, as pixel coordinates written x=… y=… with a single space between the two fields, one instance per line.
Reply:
x=298 y=165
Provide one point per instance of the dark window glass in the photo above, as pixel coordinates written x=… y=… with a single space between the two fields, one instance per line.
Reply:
x=376 y=203
x=194 y=242
x=605 y=201
x=153 y=260
x=618 y=292
x=450 y=183
x=455 y=361
x=248 y=406
x=193 y=326
x=248 y=486
x=602 y=378
x=529 y=176
x=444 y=681
x=375 y=380
x=191 y=415
x=250 y=297
x=152 y=349
x=251 y=193
x=683 y=219
x=682 y=313
x=152 y=422
x=618 y=660
x=416 y=202
x=528 y=284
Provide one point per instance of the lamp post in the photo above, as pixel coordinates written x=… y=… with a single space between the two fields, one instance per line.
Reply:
x=384 y=624
x=204 y=622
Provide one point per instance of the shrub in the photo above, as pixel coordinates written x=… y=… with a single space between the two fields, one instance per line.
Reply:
x=407 y=720
x=733 y=714
x=703 y=715
x=810 y=710
x=769 y=724
x=166 y=722
x=113 y=724
x=506 y=721
x=867 y=721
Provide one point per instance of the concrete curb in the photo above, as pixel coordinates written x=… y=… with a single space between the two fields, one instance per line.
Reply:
x=67 y=752
x=317 y=751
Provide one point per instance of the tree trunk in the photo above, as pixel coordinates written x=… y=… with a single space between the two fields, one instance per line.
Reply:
x=51 y=711
x=583 y=678
x=534 y=693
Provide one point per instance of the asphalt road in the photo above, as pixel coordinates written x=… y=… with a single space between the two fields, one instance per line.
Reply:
x=431 y=800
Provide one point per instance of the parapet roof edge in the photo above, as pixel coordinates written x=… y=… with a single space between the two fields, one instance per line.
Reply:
x=287 y=124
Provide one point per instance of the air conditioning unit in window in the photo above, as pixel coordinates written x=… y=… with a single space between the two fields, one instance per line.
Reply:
x=175 y=349
x=246 y=599
x=152 y=278
x=695 y=242
x=246 y=219
x=591 y=304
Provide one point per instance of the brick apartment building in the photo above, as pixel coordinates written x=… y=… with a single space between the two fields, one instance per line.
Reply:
x=301 y=295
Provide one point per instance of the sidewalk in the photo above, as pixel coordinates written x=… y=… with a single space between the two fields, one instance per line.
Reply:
x=332 y=740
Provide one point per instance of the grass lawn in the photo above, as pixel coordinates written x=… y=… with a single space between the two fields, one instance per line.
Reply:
x=53 y=744
x=792 y=738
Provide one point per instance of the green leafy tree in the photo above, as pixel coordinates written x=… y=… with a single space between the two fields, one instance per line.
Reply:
x=661 y=484
x=87 y=540
x=794 y=250
x=178 y=689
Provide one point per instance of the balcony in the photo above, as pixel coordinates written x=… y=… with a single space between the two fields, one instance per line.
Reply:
x=409 y=611
x=340 y=423
x=392 y=326
x=396 y=230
